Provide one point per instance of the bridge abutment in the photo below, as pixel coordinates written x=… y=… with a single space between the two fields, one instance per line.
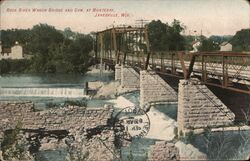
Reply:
x=154 y=89
x=198 y=107
x=130 y=79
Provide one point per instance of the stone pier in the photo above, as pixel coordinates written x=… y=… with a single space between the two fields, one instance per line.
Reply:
x=198 y=107
x=118 y=72
x=130 y=79
x=154 y=89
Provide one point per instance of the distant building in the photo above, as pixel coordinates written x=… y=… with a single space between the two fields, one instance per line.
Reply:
x=225 y=46
x=15 y=52
x=195 y=45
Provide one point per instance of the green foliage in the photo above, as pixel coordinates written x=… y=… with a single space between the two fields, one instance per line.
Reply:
x=68 y=33
x=220 y=39
x=130 y=157
x=208 y=45
x=9 y=37
x=241 y=40
x=43 y=36
x=14 y=66
x=188 y=42
x=53 y=51
x=52 y=105
x=164 y=37
x=81 y=103
x=4 y=66
x=10 y=146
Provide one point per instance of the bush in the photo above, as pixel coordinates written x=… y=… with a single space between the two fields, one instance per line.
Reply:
x=81 y=103
x=51 y=105
x=10 y=146
x=4 y=66
x=14 y=66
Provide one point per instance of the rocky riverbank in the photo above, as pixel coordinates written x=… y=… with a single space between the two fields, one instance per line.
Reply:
x=83 y=132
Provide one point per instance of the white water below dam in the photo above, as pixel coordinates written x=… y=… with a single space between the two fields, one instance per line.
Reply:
x=42 y=92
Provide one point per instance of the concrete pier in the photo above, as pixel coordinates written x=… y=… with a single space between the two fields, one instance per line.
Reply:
x=154 y=89
x=198 y=107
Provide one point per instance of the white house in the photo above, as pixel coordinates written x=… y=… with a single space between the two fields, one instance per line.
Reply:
x=15 y=52
x=225 y=46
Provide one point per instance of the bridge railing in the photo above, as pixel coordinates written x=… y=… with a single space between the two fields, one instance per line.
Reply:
x=224 y=69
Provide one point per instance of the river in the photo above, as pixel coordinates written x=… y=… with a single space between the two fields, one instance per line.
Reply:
x=25 y=87
x=43 y=89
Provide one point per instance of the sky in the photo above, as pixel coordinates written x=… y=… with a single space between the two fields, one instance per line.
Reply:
x=211 y=17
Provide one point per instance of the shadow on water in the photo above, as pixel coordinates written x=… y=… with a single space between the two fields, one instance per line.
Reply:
x=133 y=97
x=168 y=109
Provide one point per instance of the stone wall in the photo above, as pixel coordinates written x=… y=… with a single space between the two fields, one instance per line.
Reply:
x=117 y=72
x=130 y=79
x=154 y=89
x=70 y=117
x=163 y=151
x=198 y=107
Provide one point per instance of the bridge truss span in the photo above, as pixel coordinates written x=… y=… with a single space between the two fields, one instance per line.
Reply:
x=130 y=46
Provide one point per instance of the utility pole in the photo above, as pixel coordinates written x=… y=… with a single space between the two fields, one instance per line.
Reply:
x=142 y=22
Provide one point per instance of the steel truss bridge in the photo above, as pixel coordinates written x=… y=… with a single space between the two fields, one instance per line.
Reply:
x=130 y=46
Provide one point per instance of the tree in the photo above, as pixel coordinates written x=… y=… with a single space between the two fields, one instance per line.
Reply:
x=68 y=33
x=4 y=66
x=241 y=40
x=189 y=39
x=177 y=41
x=9 y=37
x=78 y=52
x=43 y=36
x=157 y=35
x=221 y=39
x=53 y=50
x=164 y=37
x=208 y=45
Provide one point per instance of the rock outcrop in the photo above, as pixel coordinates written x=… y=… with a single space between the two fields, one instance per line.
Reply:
x=163 y=151
x=81 y=130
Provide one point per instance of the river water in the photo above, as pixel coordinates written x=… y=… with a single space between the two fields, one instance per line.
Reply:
x=42 y=89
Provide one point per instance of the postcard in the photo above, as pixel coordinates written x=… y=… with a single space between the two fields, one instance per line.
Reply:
x=124 y=80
